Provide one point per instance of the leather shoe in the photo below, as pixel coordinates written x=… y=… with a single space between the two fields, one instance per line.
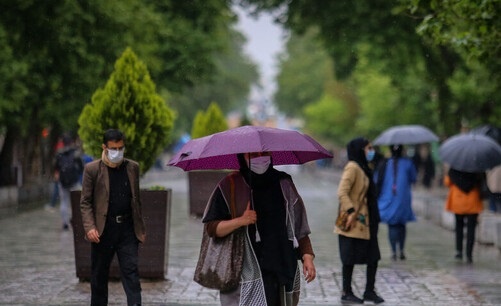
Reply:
x=373 y=297
x=350 y=298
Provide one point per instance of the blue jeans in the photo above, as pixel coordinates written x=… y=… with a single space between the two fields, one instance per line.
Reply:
x=396 y=234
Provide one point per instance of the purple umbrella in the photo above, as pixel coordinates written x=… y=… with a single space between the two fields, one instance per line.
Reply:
x=219 y=150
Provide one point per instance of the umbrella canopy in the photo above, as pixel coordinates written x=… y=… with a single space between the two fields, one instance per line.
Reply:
x=488 y=130
x=405 y=135
x=219 y=150
x=470 y=152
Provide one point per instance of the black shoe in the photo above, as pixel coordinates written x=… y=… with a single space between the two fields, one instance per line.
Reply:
x=66 y=227
x=373 y=297
x=350 y=298
x=459 y=256
x=469 y=260
x=402 y=256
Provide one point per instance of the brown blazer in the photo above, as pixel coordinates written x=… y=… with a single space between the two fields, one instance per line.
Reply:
x=352 y=194
x=95 y=197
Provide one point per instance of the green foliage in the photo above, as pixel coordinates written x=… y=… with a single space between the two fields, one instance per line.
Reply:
x=56 y=53
x=304 y=68
x=470 y=27
x=130 y=103
x=475 y=96
x=395 y=47
x=329 y=118
x=209 y=122
x=229 y=85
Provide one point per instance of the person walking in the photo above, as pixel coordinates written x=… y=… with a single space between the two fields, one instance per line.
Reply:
x=68 y=167
x=494 y=186
x=394 y=178
x=277 y=232
x=464 y=200
x=358 y=243
x=112 y=218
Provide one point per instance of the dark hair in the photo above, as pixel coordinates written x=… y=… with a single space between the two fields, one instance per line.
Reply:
x=396 y=150
x=67 y=139
x=113 y=135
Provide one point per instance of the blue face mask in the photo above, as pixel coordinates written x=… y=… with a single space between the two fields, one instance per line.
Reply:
x=370 y=155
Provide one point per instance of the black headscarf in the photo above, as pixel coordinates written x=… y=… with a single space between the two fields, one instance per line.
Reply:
x=275 y=252
x=356 y=153
x=396 y=151
x=464 y=180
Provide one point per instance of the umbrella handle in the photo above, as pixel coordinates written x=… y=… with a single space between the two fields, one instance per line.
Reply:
x=258 y=237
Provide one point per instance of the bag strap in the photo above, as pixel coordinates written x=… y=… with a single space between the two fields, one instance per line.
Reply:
x=233 y=210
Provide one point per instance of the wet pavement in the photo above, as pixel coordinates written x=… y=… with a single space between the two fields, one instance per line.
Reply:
x=37 y=264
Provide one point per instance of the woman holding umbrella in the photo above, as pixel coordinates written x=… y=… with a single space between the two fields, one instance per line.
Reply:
x=277 y=232
x=358 y=243
x=464 y=200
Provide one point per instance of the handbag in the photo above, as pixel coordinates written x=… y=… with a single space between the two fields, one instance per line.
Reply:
x=220 y=261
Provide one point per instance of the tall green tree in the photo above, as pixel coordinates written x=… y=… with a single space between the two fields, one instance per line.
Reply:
x=55 y=53
x=331 y=117
x=390 y=33
x=473 y=30
x=209 y=122
x=129 y=102
x=229 y=84
x=303 y=70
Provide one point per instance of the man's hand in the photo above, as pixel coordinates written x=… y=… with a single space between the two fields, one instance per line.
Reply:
x=93 y=235
x=309 y=271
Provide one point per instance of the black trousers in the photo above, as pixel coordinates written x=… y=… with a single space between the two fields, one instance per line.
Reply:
x=371 y=271
x=471 y=223
x=119 y=239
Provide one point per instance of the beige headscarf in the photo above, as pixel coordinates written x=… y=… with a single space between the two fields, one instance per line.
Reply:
x=107 y=162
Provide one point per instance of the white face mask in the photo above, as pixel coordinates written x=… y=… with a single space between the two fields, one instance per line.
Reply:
x=260 y=164
x=115 y=156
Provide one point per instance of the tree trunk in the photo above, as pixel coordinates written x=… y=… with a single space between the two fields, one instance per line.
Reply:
x=7 y=169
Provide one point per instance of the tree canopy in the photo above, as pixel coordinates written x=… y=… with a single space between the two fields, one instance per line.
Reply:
x=55 y=54
x=432 y=43
x=128 y=102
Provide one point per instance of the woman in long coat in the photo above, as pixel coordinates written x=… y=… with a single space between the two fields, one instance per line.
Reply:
x=358 y=243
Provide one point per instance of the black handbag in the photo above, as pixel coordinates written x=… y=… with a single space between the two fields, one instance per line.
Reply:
x=220 y=261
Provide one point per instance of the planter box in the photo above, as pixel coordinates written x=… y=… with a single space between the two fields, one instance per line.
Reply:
x=486 y=229
x=201 y=184
x=153 y=254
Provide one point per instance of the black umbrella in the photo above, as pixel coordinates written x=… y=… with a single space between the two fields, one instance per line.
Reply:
x=405 y=135
x=488 y=130
x=470 y=152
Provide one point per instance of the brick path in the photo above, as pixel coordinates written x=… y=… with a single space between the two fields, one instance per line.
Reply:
x=37 y=260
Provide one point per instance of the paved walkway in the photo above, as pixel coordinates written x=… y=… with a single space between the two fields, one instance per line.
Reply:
x=37 y=258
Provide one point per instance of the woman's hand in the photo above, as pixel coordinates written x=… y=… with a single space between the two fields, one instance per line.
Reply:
x=309 y=271
x=227 y=226
x=350 y=221
x=248 y=217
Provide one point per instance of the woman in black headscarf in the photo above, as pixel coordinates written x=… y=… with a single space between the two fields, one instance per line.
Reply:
x=277 y=232
x=358 y=242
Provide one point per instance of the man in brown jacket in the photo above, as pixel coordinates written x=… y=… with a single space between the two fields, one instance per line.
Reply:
x=112 y=218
